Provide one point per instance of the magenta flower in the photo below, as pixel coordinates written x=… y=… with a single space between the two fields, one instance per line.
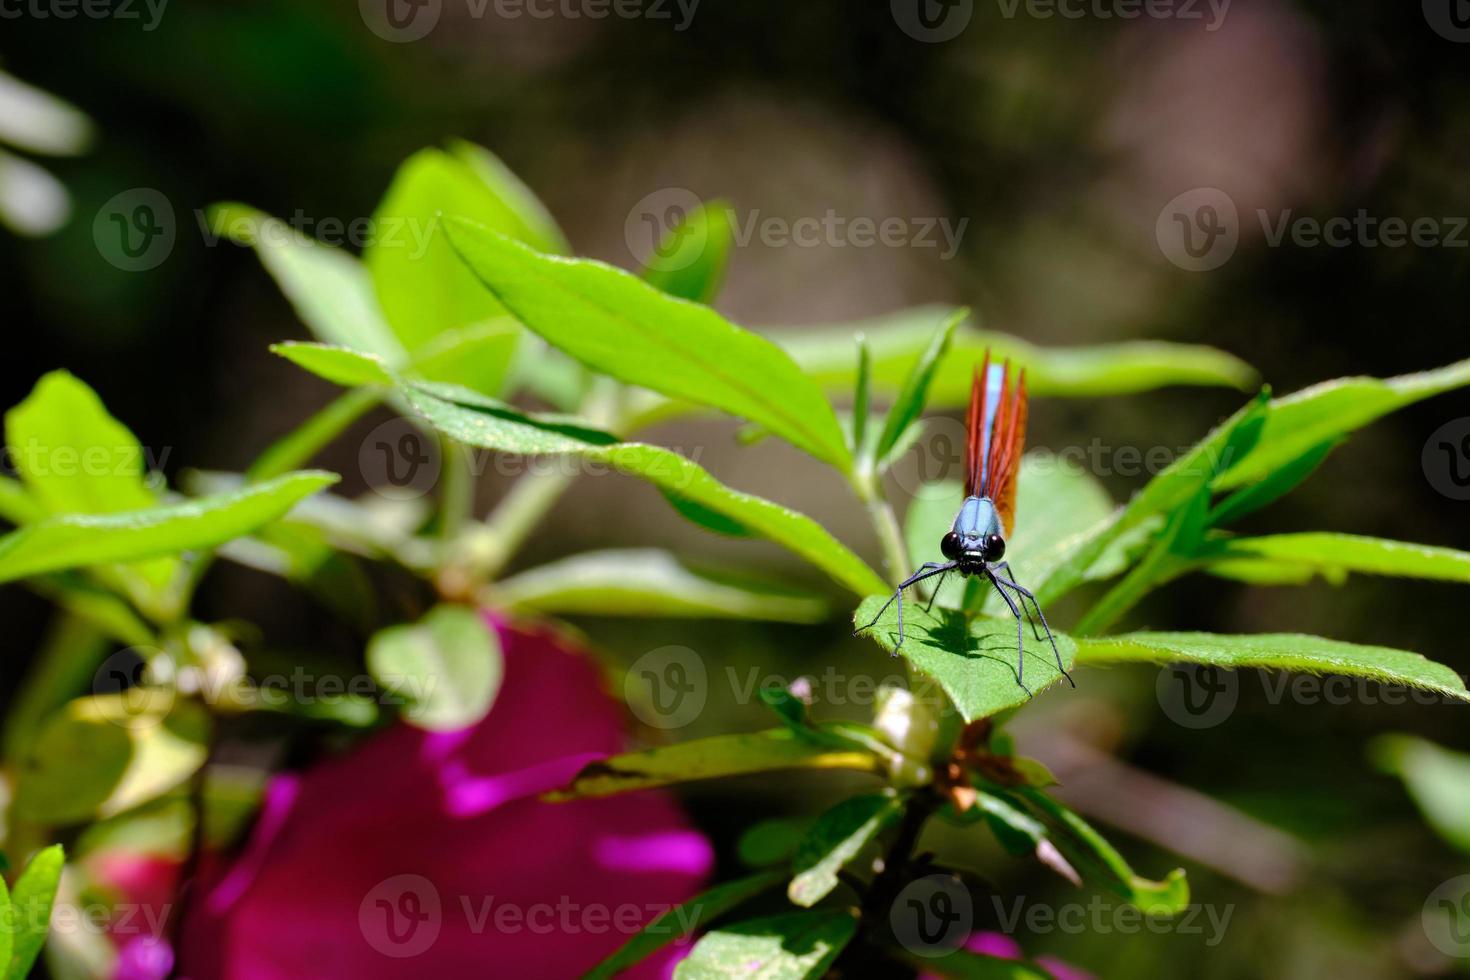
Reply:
x=429 y=855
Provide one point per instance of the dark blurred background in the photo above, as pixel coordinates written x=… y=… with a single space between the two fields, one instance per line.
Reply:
x=1058 y=140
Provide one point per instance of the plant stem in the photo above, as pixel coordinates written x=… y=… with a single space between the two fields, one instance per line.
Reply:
x=495 y=542
x=302 y=443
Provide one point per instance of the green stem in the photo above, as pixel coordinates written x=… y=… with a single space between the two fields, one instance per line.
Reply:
x=302 y=443
x=491 y=545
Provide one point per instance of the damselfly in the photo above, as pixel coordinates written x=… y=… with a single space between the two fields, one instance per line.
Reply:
x=976 y=542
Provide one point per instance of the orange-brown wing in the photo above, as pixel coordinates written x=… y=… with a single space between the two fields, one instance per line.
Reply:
x=973 y=426
x=1013 y=444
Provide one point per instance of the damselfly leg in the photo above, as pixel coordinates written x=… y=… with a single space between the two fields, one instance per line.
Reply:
x=927 y=570
x=1025 y=595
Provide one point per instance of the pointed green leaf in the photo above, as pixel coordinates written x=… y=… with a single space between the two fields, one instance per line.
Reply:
x=862 y=400
x=447 y=666
x=684 y=920
x=784 y=947
x=31 y=901
x=1297 y=557
x=1277 y=484
x=616 y=324
x=83 y=539
x=73 y=456
x=710 y=758
x=690 y=261
x=974 y=660
x=837 y=838
x=1334 y=409
x=1098 y=861
x=826 y=353
x=912 y=397
x=648 y=582
x=328 y=287
x=421 y=287
x=1276 y=651
x=339 y=365
x=16 y=503
x=508 y=431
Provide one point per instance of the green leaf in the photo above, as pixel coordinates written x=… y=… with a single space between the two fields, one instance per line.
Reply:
x=1277 y=484
x=100 y=756
x=690 y=260
x=31 y=901
x=1090 y=853
x=862 y=400
x=1329 y=411
x=648 y=582
x=783 y=947
x=447 y=665
x=684 y=920
x=299 y=446
x=826 y=353
x=616 y=324
x=974 y=660
x=7 y=932
x=1436 y=778
x=339 y=365
x=1176 y=485
x=422 y=288
x=914 y=394
x=66 y=663
x=769 y=842
x=328 y=287
x=16 y=504
x=507 y=431
x=837 y=838
x=1297 y=557
x=1276 y=651
x=73 y=456
x=710 y=758
x=523 y=215
x=83 y=539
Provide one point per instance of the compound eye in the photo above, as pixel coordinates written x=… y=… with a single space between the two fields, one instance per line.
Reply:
x=950 y=546
x=995 y=547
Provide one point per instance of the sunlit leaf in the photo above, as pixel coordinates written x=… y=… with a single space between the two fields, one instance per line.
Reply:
x=784 y=947
x=619 y=325
x=709 y=758
x=339 y=365
x=684 y=920
x=31 y=901
x=837 y=838
x=648 y=582
x=1297 y=558
x=827 y=354
x=74 y=457
x=508 y=431
x=974 y=660
x=80 y=540
x=914 y=394
x=1276 y=651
